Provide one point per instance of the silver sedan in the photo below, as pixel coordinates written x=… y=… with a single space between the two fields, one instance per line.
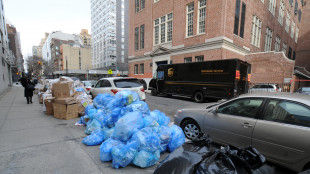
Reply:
x=277 y=124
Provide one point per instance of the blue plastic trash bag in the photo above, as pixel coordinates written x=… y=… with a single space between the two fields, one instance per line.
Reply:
x=122 y=155
x=127 y=125
x=99 y=115
x=116 y=114
x=91 y=113
x=101 y=100
x=108 y=121
x=106 y=148
x=88 y=107
x=92 y=125
x=147 y=139
x=162 y=119
x=150 y=121
x=139 y=106
x=107 y=133
x=177 y=138
x=164 y=134
x=145 y=159
x=128 y=96
x=79 y=89
x=95 y=138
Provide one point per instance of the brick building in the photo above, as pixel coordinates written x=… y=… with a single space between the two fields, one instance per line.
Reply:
x=262 y=32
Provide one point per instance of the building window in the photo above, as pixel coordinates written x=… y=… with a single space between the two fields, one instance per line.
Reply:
x=156 y=1
x=163 y=29
x=142 y=68
x=256 y=31
x=190 y=20
x=296 y=34
x=187 y=59
x=137 y=5
x=202 y=7
x=293 y=30
x=296 y=7
x=281 y=13
x=289 y=52
x=237 y=14
x=284 y=47
x=294 y=55
x=142 y=36
x=299 y=15
x=272 y=6
x=156 y=31
x=277 y=44
x=137 y=38
x=268 y=40
x=291 y=2
x=142 y=4
x=136 y=70
x=288 y=19
x=199 y=58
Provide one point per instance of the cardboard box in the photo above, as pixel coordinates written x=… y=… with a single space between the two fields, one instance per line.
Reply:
x=63 y=89
x=49 y=105
x=65 y=112
x=66 y=101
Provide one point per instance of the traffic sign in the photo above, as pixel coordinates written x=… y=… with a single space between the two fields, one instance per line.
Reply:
x=110 y=71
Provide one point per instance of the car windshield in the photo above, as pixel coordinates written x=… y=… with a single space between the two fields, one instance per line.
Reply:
x=306 y=89
x=90 y=83
x=127 y=83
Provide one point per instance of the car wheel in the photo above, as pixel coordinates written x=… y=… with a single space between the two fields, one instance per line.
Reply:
x=199 y=97
x=154 y=92
x=169 y=95
x=190 y=129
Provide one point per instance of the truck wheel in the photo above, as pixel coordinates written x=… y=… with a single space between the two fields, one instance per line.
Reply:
x=191 y=129
x=154 y=92
x=198 y=97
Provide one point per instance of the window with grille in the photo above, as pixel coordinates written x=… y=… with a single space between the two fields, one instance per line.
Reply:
x=190 y=20
x=202 y=7
x=187 y=60
x=137 y=5
x=256 y=31
x=284 y=48
x=142 y=4
x=288 y=20
x=272 y=6
x=142 y=68
x=163 y=28
x=199 y=58
x=137 y=38
x=268 y=39
x=136 y=69
x=281 y=13
x=293 y=30
x=296 y=34
x=277 y=44
x=142 y=36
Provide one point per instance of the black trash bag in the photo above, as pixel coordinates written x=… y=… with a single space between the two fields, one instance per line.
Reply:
x=232 y=160
x=184 y=160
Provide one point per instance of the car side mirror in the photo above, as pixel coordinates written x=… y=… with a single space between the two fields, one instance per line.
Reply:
x=92 y=86
x=214 y=110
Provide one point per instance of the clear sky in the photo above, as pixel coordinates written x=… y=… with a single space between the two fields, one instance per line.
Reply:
x=32 y=18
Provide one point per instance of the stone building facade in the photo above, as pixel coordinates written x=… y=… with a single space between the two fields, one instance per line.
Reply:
x=263 y=33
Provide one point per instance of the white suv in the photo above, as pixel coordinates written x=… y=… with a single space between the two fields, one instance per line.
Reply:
x=265 y=88
x=114 y=84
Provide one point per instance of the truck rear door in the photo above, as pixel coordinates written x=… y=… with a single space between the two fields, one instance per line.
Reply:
x=242 y=78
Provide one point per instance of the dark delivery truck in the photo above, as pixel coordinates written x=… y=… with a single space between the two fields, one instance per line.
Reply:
x=217 y=79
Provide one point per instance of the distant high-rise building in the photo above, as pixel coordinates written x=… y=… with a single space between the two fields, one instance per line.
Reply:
x=85 y=37
x=109 y=22
x=15 y=47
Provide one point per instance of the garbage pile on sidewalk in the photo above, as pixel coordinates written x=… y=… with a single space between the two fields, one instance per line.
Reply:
x=63 y=97
x=127 y=131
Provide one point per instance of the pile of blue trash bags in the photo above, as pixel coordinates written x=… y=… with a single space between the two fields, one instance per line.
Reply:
x=127 y=131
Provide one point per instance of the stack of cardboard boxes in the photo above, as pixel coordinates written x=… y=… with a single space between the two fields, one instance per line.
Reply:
x=65 y=105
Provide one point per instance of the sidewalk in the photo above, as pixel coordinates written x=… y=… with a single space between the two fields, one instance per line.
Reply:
x=32 y=142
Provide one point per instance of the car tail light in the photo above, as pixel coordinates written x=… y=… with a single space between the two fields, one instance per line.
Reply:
x=88 y=89
x=114 y=91
x=276 y=90
x=142 y=89
x=179 y=111
x=237 y=75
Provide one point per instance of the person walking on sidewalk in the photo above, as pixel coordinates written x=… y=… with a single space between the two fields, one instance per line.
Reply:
x=29 y=88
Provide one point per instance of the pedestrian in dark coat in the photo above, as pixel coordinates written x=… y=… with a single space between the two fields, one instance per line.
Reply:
x=28 y=93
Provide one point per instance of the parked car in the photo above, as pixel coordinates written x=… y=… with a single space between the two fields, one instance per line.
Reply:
x=277 y=124
x=142 y=81
x=115 y=84
x=265 y=88
x=304 y=90
x=88 y=85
